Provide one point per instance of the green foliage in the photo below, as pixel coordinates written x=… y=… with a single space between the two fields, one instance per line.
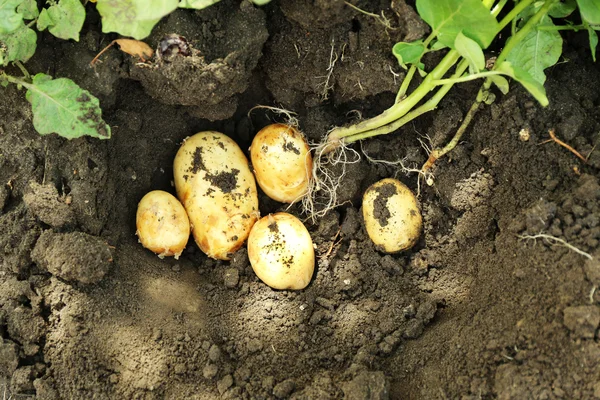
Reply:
x=197 y=4
x=533 y=85
x=10 y=20
x=63 y=19
x=134 y=18
x=590 y=11
x=539 y=50
x=18 y=45
x=60 y=106
x=471 y=51
x=409 y=53
x=448 y=18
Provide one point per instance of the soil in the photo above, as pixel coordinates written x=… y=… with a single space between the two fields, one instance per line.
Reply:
x=475 y=310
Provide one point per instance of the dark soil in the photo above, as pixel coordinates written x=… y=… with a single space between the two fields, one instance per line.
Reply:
x=474 y=311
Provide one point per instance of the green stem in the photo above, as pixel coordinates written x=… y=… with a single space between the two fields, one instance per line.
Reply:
x=23 y=70
x=562 y=27
x=399 y=109
x=467 y=78
x=411 y=71
x=429 y=105
x=18 y=81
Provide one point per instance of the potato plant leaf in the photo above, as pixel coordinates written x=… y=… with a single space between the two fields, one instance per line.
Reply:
x=449 y=17
x=61 y=106
x=10 y=20
x=409 y=53
x=539 y=50
x=532 y=85
x=470 y=50
x=134 y=18
x=500 y=82
x=63 y=19
x=28 y=9
x=593 y=37
x=18 y=45
x=197 y=4
x=562 y=9
x=590 y=11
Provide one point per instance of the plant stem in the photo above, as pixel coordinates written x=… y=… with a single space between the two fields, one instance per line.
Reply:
x=399 y=109
x=18 y=81
x=470 y=77
x=562 y=27
x=512 y=41
x=23 y=70
x=429 y=105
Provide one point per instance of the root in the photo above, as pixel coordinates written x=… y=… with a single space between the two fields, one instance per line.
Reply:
x=554 y=240
x=327 y=84
x=407 y=170
x=325 y=182
x=290 y=116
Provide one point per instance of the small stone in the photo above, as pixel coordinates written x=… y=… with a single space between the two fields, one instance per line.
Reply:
x=224 y=384
x=231 y=277
x=284 y=389
x=592 y=271
x=21 y=380
x=524 y=135
x=210 y=371
x=176 y=268
x=214 y=353
x=582 y=321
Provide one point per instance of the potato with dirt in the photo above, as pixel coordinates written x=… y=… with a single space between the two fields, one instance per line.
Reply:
x=281 y=252
x=282 y=162
x=391 y=214
x=218 y=191
x=162 y=224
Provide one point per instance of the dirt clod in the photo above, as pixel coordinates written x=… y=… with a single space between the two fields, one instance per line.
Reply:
x=582 y=321
x=74 y=256
x=367 y=386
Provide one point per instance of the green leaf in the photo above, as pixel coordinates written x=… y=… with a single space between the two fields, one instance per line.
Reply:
x=261 y=2
x=134 y=18
x=28 y=9
x=562 y=9
x=538 y=50
x=449 y=17
x=63 y=19
x=408 y=53
x=470 y=50
x=197 y=4
x=590 y=11
x=18 y=45
x=532 y=85
x=10 y=20
x=500 y=82
x=61 y=106
x=593 y=39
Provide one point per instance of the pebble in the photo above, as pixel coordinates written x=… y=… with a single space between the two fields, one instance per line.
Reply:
x=284 y=389
x=210 y=371
x=231 y=277
x=224 y=384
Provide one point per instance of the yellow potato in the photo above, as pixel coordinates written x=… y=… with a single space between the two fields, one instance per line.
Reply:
x=162 y=224
x=281 y=252
x=217 y=189
x=282 y=162
x=391 y=215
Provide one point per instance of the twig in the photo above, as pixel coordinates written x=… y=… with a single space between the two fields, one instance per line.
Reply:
x=560 y=241
x=592 y=292
x=95 y=59
x=333 y=243
x=566 y=146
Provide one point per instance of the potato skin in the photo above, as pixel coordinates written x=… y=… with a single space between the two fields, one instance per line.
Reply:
x=162 y=224
x=218 y=191
x=282 y=162
x=281 y=252
x=391 y=214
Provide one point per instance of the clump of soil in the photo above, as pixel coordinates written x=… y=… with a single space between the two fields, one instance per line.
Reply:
x=474 y=310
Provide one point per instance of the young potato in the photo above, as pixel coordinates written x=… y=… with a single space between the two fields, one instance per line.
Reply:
x=281 y=252
x=217 y=189
x=391 y=215
x=162 y=224
x=282 y=162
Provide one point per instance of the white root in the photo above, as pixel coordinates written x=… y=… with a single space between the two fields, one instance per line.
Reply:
x=290 y=116
x=554 y=240
x=325 y=182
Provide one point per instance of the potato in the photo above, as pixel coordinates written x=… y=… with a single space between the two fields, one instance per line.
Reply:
x=217 y=189
x=162 y=224
x=281 y=252
x=391 y=215
x=282 y=162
